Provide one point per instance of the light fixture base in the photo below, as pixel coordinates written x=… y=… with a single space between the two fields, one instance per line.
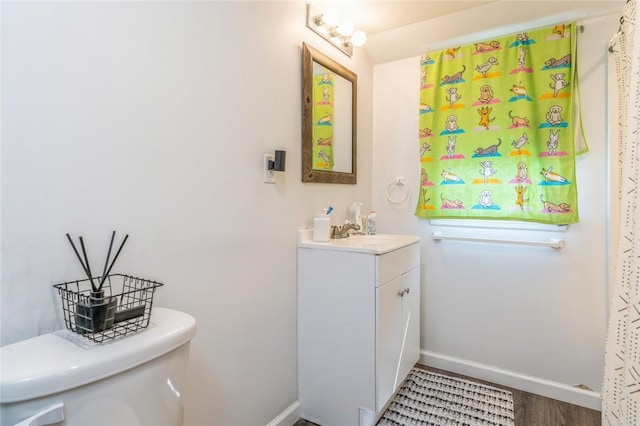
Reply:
x=313 y=12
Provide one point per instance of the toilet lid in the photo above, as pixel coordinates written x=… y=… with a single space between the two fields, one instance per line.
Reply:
x=63 y=360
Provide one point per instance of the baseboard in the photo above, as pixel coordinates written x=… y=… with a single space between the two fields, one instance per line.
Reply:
x=288 y=417
x=531 y=384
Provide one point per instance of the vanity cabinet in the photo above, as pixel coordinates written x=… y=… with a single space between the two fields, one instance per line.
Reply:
x=358 y=329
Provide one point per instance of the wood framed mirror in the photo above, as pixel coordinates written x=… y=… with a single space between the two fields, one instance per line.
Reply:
x=329 y=94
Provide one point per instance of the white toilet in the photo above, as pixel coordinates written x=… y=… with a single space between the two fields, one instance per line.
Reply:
x=61 y=378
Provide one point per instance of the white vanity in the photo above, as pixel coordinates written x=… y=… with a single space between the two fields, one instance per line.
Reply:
x=358 y=324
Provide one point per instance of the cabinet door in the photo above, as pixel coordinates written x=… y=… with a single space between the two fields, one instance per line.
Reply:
x=388 y=339
x=410 y=322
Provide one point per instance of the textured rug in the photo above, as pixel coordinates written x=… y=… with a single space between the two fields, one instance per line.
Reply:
x=427 y=398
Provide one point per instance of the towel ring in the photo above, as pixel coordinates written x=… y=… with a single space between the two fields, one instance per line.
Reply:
x=405 y=192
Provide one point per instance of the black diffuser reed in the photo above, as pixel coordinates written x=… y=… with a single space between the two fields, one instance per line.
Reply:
x=96 y=313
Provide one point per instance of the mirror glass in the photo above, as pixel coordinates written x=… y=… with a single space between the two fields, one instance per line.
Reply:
x=328 y=119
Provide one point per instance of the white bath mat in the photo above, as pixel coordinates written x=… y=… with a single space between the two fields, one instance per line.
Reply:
x=428 y=398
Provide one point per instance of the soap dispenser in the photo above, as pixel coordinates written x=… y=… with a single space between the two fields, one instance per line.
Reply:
x=356 y=210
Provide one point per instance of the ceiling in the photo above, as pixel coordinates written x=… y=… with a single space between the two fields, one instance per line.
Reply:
x=377 y=16
x=374 y=16
x=391 y=35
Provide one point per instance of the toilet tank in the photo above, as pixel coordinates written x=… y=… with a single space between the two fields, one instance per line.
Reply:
x=135 y=380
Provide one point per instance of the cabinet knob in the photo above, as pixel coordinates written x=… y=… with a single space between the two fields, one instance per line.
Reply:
x=403 y=292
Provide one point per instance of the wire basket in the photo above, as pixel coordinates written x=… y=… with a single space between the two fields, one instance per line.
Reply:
x=122 y=306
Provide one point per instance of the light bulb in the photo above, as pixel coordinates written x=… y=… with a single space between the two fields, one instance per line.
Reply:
x=345 y=28
x=331 y=18
x=336 y=40
x=358 y=38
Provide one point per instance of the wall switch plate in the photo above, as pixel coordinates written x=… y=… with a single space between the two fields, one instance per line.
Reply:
x=268 y=174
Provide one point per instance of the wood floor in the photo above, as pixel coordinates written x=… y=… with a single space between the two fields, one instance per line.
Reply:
x=532 y=410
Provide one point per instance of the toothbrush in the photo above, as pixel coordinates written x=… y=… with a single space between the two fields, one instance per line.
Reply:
x=329 y=210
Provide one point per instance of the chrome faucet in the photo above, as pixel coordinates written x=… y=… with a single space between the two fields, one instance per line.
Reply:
x=338 y=232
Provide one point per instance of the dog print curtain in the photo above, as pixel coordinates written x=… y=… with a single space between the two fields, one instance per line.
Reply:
x=497 y=129
x=322 y=129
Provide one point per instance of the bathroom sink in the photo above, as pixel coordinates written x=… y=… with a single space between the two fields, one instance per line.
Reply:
x=377 y=244
x=372 y=239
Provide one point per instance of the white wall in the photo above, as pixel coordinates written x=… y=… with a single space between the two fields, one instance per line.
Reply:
x=533 y=318
x=152 y=118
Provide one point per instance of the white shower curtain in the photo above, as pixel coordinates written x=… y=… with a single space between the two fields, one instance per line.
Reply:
x=621 y=387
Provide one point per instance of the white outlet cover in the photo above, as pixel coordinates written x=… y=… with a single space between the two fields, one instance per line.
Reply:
x=268 y=174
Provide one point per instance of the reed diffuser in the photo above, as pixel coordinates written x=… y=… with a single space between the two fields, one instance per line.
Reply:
x=96 y=312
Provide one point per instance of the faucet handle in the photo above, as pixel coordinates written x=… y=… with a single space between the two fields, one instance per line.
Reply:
x=335 y=231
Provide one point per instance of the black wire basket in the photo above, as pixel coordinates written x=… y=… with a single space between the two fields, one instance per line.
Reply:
x=120 y=307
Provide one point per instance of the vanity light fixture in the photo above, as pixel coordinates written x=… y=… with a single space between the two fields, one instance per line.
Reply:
x=340 y=33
